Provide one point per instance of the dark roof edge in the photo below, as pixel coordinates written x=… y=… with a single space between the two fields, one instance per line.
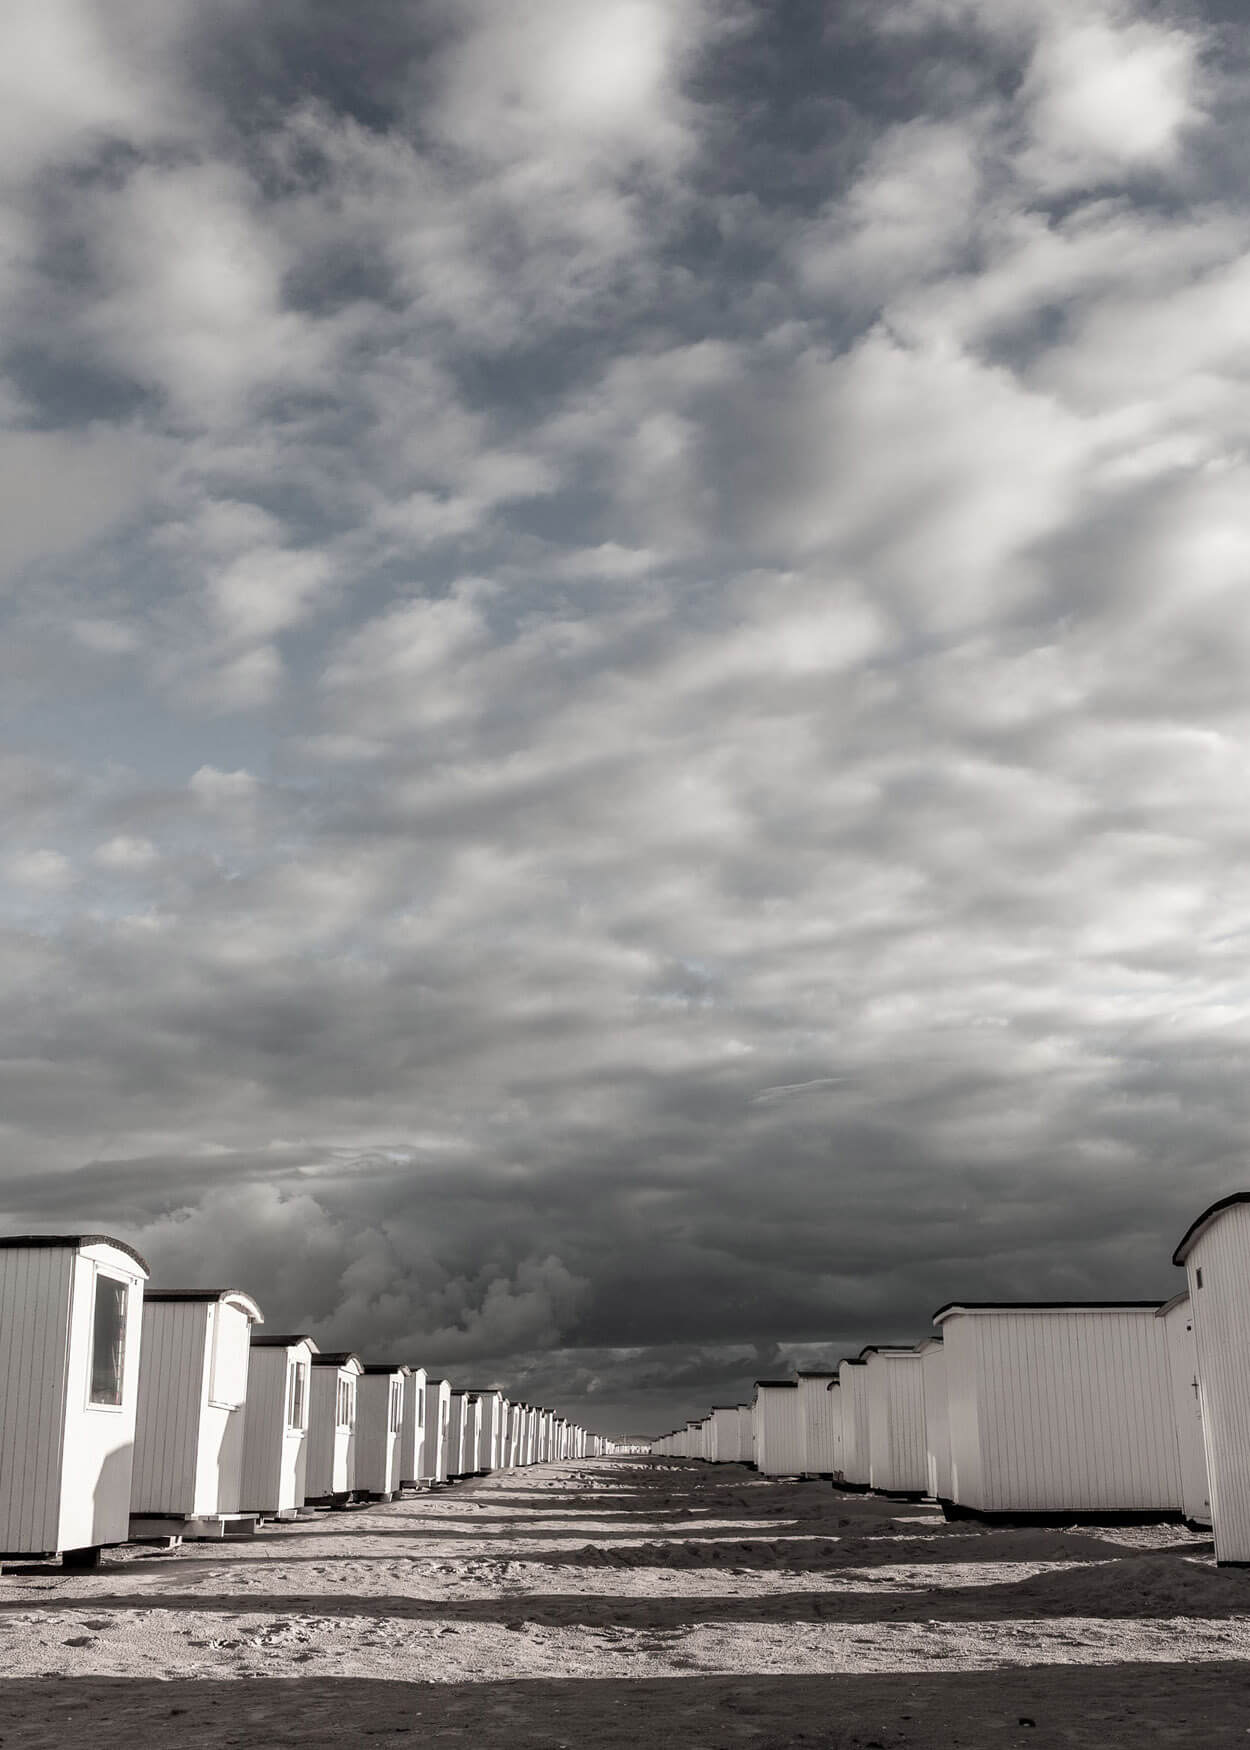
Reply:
x=387 y=1367
x=73 y=1242
x=338 y=1358
x=289 y=1341
x=778 y=1382
x=1196 y=1229
x=1046 y=1306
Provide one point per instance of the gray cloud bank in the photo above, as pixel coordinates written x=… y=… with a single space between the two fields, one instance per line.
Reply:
x=625 y=670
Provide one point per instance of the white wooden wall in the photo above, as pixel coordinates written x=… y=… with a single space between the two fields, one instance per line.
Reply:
x=275 y=1456
x=1220 y=1306
x=173 y=1383
x=377 y=1447
x=331 y=1466
x=936 y=1421
x=897 y=1456
x=36 y=1287
x=1058 y=1410
x=1195 y=1501
x=853 y=1389
x=412 y=1440
x=434 y=1449
x=778 y=1430
x=818 y=1407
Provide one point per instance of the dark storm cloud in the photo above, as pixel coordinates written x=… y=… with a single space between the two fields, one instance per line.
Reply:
x=624 y=665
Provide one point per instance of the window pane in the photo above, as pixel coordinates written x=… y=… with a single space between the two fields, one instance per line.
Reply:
x=108 y=1341
x=296 y=1417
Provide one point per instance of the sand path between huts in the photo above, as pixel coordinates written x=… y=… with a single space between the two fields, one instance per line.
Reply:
x=635 y=1602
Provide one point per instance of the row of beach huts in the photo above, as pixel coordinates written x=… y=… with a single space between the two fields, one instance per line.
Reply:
x=1096 y=1409
x=131 y=1412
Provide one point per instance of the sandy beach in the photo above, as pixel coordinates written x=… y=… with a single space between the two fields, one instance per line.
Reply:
x=635 y=1602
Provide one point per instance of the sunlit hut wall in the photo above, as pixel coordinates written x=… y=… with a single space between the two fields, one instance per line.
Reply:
x=412 y=1434
x=1215 y=1254
x=725 y=1438
x=1177 y=1315
x=71 y=1316
x=275 y=1424
x=936 y=1419
x=819 y=1409
x=853 y=1391
x=778 y=1428
x=897 y=1462
x=332 y=1425
x=1057 y=1406
x=379 y=1425
x=461 y=1430
x=192 y=1396
x=489 y=1428
x=434 y=1449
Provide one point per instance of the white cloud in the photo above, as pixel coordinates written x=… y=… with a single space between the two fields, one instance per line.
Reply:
x=1106 y=97
x=42 y=870
x=125 y=854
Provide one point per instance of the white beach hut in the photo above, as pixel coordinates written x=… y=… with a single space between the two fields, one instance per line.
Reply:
x=275 y=1425
x=462 y=1433
x=778 y=1428
x=379 y=1428
x=434 y=1449
x=897 y=1458
x=937 y=1433
x=1215 y=1253
x=188 y=1470
x=820 y=1410
x=746 y=1434
x=412 y=1434
x=853 y=1393
x=1059 y=1407
x=71 y=1314
x=489 y=1428
x=331 y=1474
x=1177 y=1315
x=723 y=1440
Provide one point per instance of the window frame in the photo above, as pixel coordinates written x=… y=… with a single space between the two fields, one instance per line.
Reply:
x=101 y=1273
x=296 y=1395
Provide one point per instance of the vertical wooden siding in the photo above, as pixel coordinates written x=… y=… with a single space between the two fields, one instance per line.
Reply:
x=35 y=1287
x=1221 y=1315
x=171 y=1392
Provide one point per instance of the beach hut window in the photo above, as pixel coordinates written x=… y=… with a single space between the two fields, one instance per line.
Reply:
x=295 y=1396
x=231 y=1347
x=108 y=1342
x=397 y=1406
x=345 y=1404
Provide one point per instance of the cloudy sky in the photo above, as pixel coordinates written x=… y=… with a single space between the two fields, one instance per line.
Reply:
x=626 y=667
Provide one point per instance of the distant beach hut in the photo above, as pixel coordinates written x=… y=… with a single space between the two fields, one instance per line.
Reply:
x=820 y=1412
x=746 y=1434
x=332 y=1427
x=1177 y=1315
x=275 y=1425
x=188 y=1471
x=412 y=1434
x=1215 y=1253
x=1059 y=1407
x=462 y=1433
x=853 y=1392
x=489 y=1429
x=937 y=1431
x=778 y=1428
x=379 y=1428
x=71 y=1314
x=723 y=1440
x=434 y=1450
x=897 y=1458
